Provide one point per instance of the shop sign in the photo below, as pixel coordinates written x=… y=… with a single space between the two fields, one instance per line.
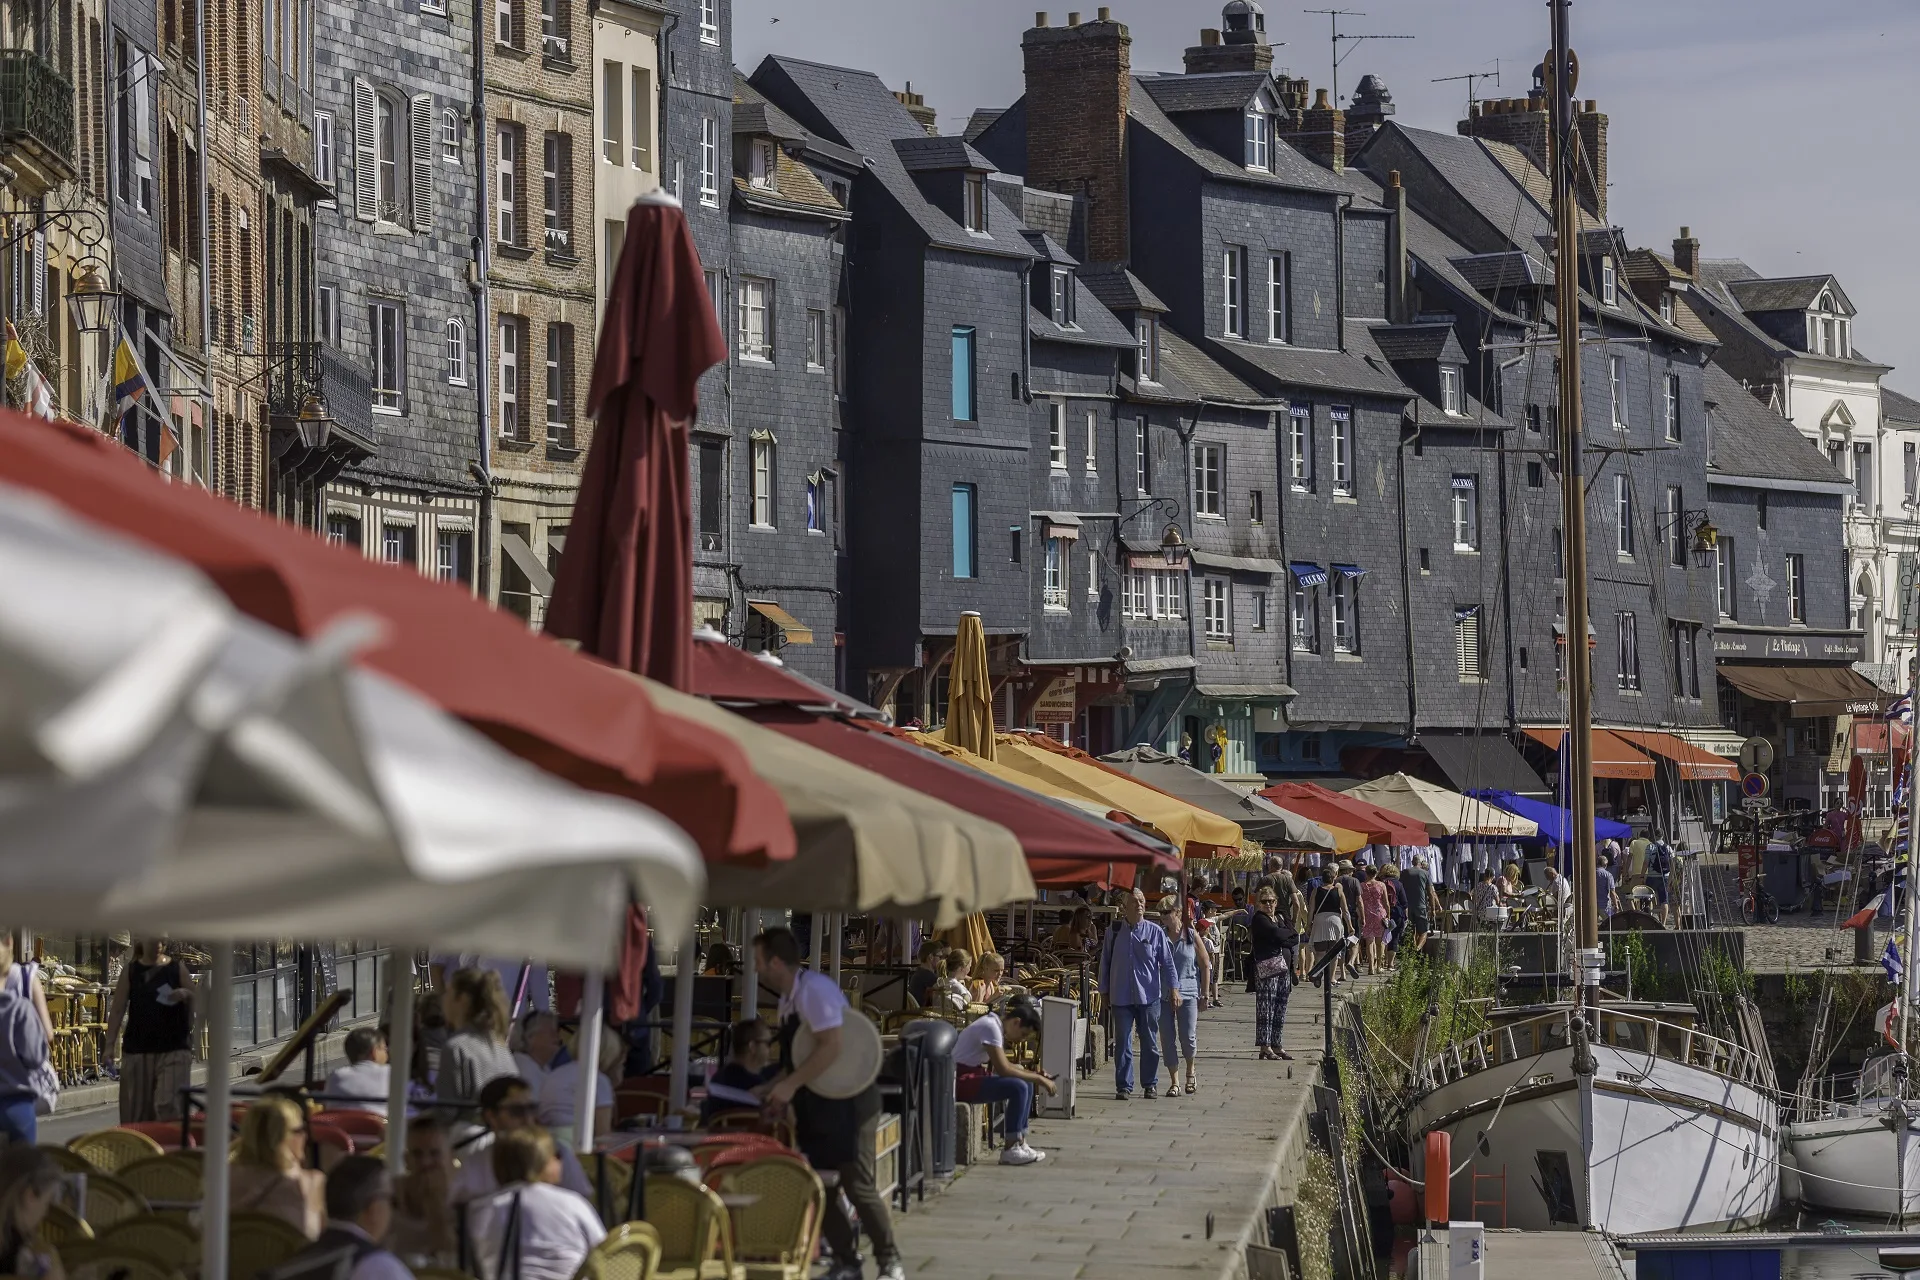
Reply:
x=1788 y=648
x=1055 y=704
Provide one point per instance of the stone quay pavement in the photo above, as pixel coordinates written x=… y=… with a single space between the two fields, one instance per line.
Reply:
x=1127 y=1187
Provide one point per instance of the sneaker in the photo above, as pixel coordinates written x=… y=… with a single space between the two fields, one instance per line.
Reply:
x=1020 y=1153
x=892 y=1271
x=1152 y=1092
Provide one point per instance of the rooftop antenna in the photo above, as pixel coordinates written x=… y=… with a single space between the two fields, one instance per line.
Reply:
x=1353 y=42
x=1473 y=79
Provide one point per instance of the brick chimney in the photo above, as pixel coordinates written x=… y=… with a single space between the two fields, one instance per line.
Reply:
x=917 y=107
x=1322 y=133
x=1592 y=179
x=1686 y=252
x=1239 y=45
x=1368 y=113
x=1079 y=84
x=1518 y=122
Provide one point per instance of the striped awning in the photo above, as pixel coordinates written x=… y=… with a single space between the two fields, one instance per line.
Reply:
x=1307 y=574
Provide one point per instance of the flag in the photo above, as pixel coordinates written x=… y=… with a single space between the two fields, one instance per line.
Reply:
x=1883 y=1022
x=39 y=393
x=1902 y=709
x=16 y=354
x=1890 y=961
x=130 y=381
x=1863 y=918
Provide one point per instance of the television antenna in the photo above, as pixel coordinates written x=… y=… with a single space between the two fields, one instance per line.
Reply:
x=1473 y=78
x=1353 y=42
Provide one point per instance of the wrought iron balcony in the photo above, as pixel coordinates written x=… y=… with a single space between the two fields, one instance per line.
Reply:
x=320 y=411
x=36 y=121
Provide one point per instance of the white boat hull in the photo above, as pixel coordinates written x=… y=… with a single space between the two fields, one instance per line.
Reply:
x=1650 y=1144
x=1851 y=1164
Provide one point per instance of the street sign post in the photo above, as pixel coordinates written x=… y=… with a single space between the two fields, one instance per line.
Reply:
x=1753 y=785
x=1756 y=755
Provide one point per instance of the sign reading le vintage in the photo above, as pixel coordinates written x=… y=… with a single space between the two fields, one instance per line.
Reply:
x=1794 y=648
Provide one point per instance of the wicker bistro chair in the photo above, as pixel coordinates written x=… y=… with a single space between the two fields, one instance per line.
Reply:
x=696 y=1237
x=631 y=1251
x=60 y=1229
x=173 y=1178
x=164 y=1132
x=775 y=1237
x=111 y=1201
x=168 y=1239
x=98 y=1260
x=259 y=1242
x=111 y=1150
x=69 y=1161
x=616 y=1175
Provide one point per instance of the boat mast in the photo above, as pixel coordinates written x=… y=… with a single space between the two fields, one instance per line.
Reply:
x=1910 y=938
x=1561 y=72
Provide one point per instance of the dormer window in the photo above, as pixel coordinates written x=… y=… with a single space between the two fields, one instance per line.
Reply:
x=1666 y=307
x=1828 y=330
x=1450 y=400
x=975 y=209
x=1147 y=330
x=1609 y=284
x=1260 y=134
x=761 y=164
x=1061 y=293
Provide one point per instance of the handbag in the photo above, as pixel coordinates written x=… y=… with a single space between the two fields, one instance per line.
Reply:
x=1274 y=966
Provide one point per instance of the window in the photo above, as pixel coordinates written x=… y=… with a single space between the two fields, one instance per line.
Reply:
x=1093 y=572
x=326 y=314
x=761 y=511
x=613 y=78
x=964 y=544
x=1675 y=528
x=1216 y=609
x=1826 y=335
x=816 y=495
x=386 y=337
x=1466 y=513
x=453 y=556
x=1343 y=451
x=1617 y=389
x=556 y=196
x=343 y=531
x=756 y=318
x=1469 y=655
x=387 y=171
x=1910 y=472
x=398 y=544
x=1627 y=656
x=816 y=340
x=323 y=145
x=760 y=164
x=1623 y=516
x=506 y=153
x=965 y=370
x=1723 y=563
x=457 y=351
x=1536 y=476
x=1797 y=588
x=1760 y=508
x=1093 y=440
x=640 y=142
x=1279 y=291
x=1686 y=662
x=709 y=162
x=553 y=30
x=1060 y=295
x=1303 y=616
x=1533 y=418
x=1259 y=611
x=1259 y=137
x=1672 y=382
x=560 y=385
x=1054 y=575
x=1209 y=465
x=1300 y=448
x=1666 y=307
x=710 y=21
x=974 y=214
x=1057 y=435
x=1233 y=284
x=613 y=238
x=1133 y=593
x=1147 y=332
x=1609 y=284
x=513 y=423
x=450 y=131
x=503 y=22
x=713 y=494
x=1863 y=475
x=1256 y=507
x=1450 y=389
x=1346 y=612
x=1143 y=458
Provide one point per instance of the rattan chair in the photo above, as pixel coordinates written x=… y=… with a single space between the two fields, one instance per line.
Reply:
x=111 y=1150
x=109 y=1200
x=618 y=1178
x=696 y=1236
x=169 y=1239
x=775 y=1236
x=631 y=1251
x=174 y=1177
x=258 y=1242
x=60 y=1229
x=99 y=1260
x=69 y=1161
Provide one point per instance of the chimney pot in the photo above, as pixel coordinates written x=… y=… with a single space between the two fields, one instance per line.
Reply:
x=1393 y=178
x=1686 y=233
x=1209 y=37
x=1320 y=102
x=1106 y=14
x=1073 y=19
x=1593 y=105
x=1040 y=18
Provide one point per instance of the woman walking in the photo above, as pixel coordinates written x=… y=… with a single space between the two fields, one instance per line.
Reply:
x=153 y=1002
x=1192 y=974
x=1270 y=971
x=1396 y=911
x=1373 y=919
x=477 y=1050
x=1332 y=917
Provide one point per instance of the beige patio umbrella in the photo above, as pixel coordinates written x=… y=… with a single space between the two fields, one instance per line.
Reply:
x=1446 y=813
x=970 y=690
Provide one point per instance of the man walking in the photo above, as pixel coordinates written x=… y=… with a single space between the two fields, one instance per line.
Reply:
x=1136 y=969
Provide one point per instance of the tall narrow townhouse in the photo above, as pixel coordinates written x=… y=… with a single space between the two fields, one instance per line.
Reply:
x=397 y=334
x=539 y=144
x=129 y=97
x=178 y=364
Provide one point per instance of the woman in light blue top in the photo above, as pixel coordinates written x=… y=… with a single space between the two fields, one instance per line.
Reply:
x=1192 y=973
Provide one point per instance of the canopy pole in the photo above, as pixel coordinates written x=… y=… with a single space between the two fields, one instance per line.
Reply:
x=399 y=1054
x=749 y=980
x=214 y=1182
x=586 y=1051
x=836 y=925
x=683 y=979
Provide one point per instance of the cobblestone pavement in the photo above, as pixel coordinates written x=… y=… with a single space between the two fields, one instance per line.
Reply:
x=1798 y=943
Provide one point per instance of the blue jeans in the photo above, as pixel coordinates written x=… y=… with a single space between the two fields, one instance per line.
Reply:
x=1179 y=1029
x=17 y=1120
x=1126 y=1019
x=1017 y=1094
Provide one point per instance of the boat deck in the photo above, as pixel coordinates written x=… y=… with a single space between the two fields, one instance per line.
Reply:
x=1564 y=1255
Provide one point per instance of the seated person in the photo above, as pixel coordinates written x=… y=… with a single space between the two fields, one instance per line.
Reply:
x=987 y=1075
x=507 y=1105
x=269 y=1173
x=953 y=994
x=359 y=1218
x=1077 y=933
x=720 y=962
x=927 y=974
x=1489 y=896
x=558 y=1094
x=365 y=1077
x=553 y=1228
x=540 y=1048
x=988 y=972
x=750 y=1063
x=423 y=1225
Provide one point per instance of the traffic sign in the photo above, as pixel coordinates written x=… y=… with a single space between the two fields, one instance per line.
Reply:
x=1756 y=755
x=1753 y=785
x=1753 y=804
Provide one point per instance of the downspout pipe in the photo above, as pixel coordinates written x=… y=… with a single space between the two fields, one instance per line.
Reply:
x=205 y=461
x=483 y=338
x=1407 y=439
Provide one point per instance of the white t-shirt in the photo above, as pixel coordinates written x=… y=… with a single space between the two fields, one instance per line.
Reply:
x=970 y=1050
x=368 y=1080
x=556 y=1232
x=819 y=1002
x=474 y=1178
x=530 y=1071
x=559 y=1091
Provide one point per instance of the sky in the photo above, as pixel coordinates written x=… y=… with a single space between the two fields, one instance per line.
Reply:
x=1781 y=131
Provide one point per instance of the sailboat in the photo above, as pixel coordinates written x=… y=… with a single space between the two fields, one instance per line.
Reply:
x=1619 y=1117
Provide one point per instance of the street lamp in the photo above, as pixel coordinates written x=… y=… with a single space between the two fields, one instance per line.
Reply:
x=1173 y=546
x=93 y=302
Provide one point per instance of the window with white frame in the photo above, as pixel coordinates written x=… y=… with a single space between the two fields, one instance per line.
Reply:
x=1686 y=661
x=505 y=156
x=1259 y=611
x=1256 y=507
x=640 y=142
x=1053 y=589
x=1343 y=451
x=1143 y=457
x=1470 y=659
x=710 y=21
x=1057 y=434
x=613 y=83
x=1627 y=651
x=323 y=145
x=457 y=351
x=1060 y=295
x=1093 y=440
x=1450 y=399
x=1623 y=516
x=560 y=385
x=1345 y=590
x=327 y=316
x=1671 y=383
x=387 y=337
x=553 y=32
x=816 y=340
x=451 y=145
x=1609 y=284
x=1466 y=513
x=709 y=161
x=1233 y=287
x=1863 y=475
x=399 y=544
x=1216 y=608
x=1259 y=129
x=761 y=166
x=1300 y=448
x=1303 y=616
x=503 y=22
x=1797 y=588
x=513 y=422
x=1093 y=572
x=1147 y=334
x=1723 y=570
x=1617 y=389
x=1676 y=535
x=1133 y=592
x=762 y=461
x=1209 y=470
x=1279 y=292
x=387 y=168
x=756 y=318
x=974 y=194
x=1666 y=306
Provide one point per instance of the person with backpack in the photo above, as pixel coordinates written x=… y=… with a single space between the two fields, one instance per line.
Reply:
x=1659 y=867
x=28 y=1086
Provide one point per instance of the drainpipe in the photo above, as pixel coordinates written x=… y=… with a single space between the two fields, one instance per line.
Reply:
x=482 y=308
x=1506 y=584
x=205 y=462
x=1406 y=583
x=1341 y=205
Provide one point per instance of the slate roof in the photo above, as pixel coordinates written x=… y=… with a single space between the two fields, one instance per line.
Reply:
x=1523 y=170
x=1418 y=342
x=1093 y=326
x=931 y=155
x=1479 y=178
x=1047 y=249
x=1188 y=373
x=861 y=113
x=981 y=120
x=1291 y=170
x=1209 y=91
x=1750 y=440
x=1486 y=271
x=1376 y=345
x=1120 y=290
x=798 y=191
x=1350 y=371
x=1793 y=294
x=1895 y=407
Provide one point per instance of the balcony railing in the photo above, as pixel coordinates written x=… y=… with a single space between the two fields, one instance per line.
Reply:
x=36 y=114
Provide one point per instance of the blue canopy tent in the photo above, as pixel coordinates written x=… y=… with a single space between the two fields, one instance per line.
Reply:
x=1556 y=824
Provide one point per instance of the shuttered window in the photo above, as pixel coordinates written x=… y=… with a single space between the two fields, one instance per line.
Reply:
x=1466 y=643
x=420 y=153
x=366 y=190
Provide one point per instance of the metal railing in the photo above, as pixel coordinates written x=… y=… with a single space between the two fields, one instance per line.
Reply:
x=36 y=105
x=1626 y=1032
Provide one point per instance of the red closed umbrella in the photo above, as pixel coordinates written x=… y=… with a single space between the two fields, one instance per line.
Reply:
x=624 y=588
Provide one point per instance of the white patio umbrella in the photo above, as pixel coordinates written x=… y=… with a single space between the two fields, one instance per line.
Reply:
x=241 y=785
x=1446 y=813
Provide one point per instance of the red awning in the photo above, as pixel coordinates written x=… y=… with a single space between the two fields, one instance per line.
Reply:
x=1870 y=736
x=1612 y=757
x=568 y=714
x=1695 y=764
x=729 y=675
x=1330 y=808
x=1065 y=849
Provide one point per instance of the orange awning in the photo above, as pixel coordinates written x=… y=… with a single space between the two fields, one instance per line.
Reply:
x=1696 y=765
x=1612 y=758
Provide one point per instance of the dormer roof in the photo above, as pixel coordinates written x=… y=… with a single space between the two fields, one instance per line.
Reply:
x=935 y=155
x=1793 y=293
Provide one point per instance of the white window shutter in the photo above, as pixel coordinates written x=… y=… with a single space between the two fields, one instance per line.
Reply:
x=421 y=153
x=142 y=88
x=366 y=190
x=37 y=265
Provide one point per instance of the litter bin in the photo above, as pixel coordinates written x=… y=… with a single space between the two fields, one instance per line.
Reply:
x=937 y=1099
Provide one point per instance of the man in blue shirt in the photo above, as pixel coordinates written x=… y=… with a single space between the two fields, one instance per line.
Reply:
x=1136 y=966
